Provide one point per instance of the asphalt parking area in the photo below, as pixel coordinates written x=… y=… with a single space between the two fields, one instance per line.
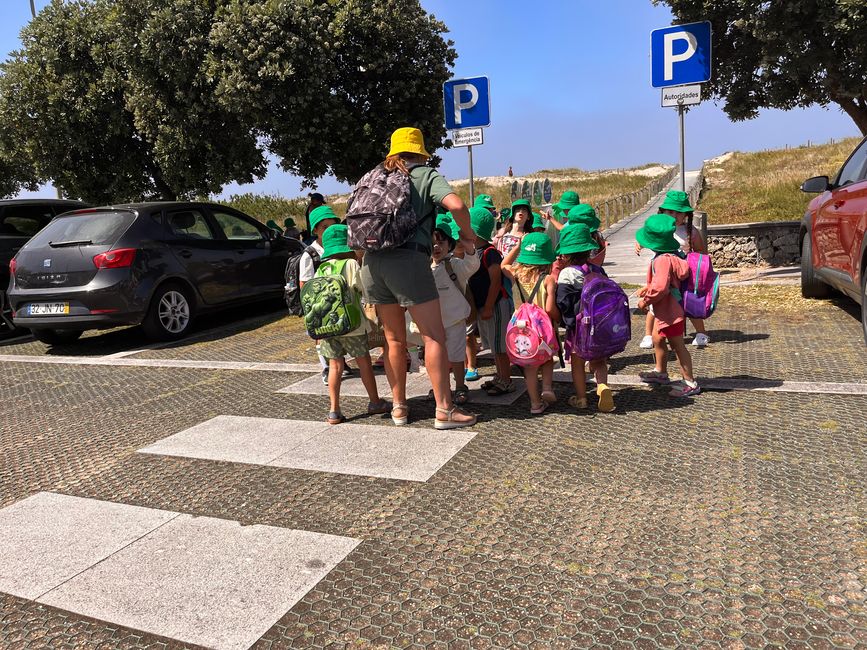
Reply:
x=735 y=519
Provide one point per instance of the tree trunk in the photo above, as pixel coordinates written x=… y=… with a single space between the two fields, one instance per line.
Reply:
x=166 y=192
x=855 y=109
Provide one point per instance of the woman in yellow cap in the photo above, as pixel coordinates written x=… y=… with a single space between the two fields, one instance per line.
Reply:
x=399 y=279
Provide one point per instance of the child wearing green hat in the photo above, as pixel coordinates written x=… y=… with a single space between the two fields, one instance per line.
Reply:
x=664 y=277
x=290 y=229
x=676 y=204
x=493 y=307
x=582 y=214
x=529 y=266
x=354 y=343
x=451 y=274
x=576 y=246
x=518 y=224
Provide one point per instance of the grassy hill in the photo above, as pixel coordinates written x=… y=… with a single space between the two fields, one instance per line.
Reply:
x=763 y=186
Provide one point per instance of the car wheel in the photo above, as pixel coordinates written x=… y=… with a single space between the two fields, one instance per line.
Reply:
x=57 y=337
x=170 y=315
x=811 y=286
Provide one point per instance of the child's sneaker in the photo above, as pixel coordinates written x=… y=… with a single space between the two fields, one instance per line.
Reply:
x=701 y=340
x=606 y=399
x=654 y=377
x=646 y=342
x=685 y=389
x=577 y=403
x=472 y=374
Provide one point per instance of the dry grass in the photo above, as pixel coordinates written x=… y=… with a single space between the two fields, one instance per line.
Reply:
x=780 y=299
x=764 y=186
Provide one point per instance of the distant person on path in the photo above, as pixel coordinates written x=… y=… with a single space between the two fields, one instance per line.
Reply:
x=316 y=200
x=290 y=229
x=510 y=172
x=529 y=269
x=353 y=344
x=677 y=205
x=400 y=279
x=451 y=274
x=661 y=295
x=577 y=244
x=518 y=225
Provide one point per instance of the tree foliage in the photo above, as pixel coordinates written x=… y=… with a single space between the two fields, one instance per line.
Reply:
x=785 y=53
x=120 y=100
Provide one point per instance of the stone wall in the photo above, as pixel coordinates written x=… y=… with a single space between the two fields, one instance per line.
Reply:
x=754 y=244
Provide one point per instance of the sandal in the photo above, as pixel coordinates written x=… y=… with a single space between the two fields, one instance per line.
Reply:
x=462 y=395
x=378 y=408
x=335 y=417
x=654 y=377
x=500 y=387
x=450 y=422
x=538 y=410
x=682 y=389
x=487 y=384
x=548 y=396
x=606 y=399
x=578 y=403
x=402 y=420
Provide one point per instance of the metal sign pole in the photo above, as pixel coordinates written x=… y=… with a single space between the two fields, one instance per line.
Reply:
x=680 y=112
x=472 y=188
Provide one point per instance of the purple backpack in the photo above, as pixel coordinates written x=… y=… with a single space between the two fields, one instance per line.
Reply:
x=604 y=324
x=700 y=291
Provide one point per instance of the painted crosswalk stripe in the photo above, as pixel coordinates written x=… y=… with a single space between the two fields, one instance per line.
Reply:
x=199 y=580
x=402 y=453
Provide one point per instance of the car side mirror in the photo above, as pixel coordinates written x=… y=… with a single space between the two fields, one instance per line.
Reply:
x=816 y=185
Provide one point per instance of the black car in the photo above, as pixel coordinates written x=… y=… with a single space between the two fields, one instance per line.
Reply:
x=20 y=219
x=157 y=264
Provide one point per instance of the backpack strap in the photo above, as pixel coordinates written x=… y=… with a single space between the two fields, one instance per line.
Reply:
x=454 y=276
x=314 y=256
x=536 y=288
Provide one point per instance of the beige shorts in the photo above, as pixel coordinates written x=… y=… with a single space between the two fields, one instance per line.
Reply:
x=456 y=342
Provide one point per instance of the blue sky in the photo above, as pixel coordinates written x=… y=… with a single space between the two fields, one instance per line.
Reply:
x=570 y=87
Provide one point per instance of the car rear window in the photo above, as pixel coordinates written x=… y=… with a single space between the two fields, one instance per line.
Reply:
x=99 y=228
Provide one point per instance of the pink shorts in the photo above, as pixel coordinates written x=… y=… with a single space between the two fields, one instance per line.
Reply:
x=673 y=331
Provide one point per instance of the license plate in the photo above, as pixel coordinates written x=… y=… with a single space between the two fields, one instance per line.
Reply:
x=48 y=309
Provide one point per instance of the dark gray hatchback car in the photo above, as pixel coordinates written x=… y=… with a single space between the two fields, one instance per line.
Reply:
x=155 y=264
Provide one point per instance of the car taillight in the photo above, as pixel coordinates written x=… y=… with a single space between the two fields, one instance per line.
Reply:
x=12 y=266
x=116 y=259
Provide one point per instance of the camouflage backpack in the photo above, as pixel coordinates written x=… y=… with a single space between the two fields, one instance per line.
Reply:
x=380 y=214
x=331 y=308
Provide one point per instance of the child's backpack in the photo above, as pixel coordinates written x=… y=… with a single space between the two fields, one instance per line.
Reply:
x=604 y=325
x=700 y=291
x=380 y=214
x=331 y=308
x=531 y=339
x=292 y=288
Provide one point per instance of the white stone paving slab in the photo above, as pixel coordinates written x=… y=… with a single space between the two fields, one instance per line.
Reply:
x=251 y=440
x=48 y=538
x=203 y=580
x=385 y=452
x=417 y=385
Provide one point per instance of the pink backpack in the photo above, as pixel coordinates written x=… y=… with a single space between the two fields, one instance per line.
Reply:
x=530 y=336
x=700 y=290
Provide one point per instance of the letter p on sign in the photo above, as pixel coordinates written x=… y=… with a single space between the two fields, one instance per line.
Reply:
x=680 y=55
x=467 y=103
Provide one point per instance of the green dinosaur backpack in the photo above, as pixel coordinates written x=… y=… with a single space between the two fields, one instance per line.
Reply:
x=330 y=307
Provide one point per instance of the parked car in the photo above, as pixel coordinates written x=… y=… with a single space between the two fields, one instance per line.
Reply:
x=20 y=219
x=155 y=264
x=833 y=245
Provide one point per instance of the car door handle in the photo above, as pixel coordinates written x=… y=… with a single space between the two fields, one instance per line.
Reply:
x=839 y=204
x=186 y=254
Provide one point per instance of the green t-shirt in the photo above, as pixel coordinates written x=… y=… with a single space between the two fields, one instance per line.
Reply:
x=428 y=189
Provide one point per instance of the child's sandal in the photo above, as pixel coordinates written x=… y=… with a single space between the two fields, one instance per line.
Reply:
x=335 y=417
x=577 y=403
x=682 y=389
x=538 y=410
x=462 y=395
x=654 y=377
x=549 y=397
x=606 y=399
x=378 y=408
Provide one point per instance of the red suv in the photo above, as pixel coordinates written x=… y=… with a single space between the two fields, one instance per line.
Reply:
x=833 y=245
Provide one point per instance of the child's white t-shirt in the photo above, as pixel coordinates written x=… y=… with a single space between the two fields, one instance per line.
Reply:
x=306 y=271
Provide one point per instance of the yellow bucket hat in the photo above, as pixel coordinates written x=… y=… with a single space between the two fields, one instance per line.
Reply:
x=408 y=140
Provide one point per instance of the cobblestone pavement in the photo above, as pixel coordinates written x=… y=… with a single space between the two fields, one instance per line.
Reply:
x=734 y=520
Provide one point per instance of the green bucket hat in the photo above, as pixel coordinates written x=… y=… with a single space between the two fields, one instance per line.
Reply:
x=482 y=222
x=568 y=200
x=272 y=224
x=334 y=240
x=521 y=203
x=289 y=222
x=536 y=248
x=538 y=222
x=658 y=234
x=321 y=213
x=447 y=226
x=677 y=201
x=484 y=201
x=577 y=238
x=585 y=214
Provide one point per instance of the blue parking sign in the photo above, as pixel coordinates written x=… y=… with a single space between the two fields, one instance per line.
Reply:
x=467 y=103
x=680 y=55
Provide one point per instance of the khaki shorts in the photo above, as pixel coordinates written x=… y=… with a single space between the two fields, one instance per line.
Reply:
x=344 y=346
x=493 y=330
x=456 y=342
x=398 y=277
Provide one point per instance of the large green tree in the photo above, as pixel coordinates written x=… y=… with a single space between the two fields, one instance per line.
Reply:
x=327 y=82
x=785 y=53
